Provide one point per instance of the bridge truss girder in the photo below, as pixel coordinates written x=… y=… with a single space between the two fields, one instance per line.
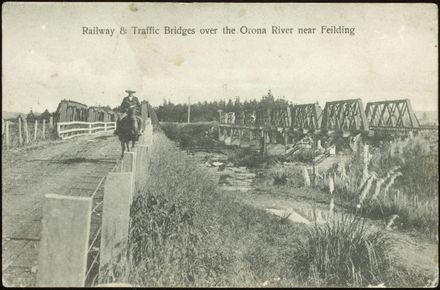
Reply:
x=343 y=116
x=307 y=116
x=391 y=114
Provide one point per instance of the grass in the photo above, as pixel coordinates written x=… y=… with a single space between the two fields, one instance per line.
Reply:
x=186 y=233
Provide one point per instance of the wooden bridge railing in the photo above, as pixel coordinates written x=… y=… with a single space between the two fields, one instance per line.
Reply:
x=68 y=130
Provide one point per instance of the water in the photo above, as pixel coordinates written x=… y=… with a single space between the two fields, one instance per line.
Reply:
x=242 y=179
x=230 y=177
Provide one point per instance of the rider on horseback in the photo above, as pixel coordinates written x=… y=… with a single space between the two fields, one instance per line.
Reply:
x=130 y=102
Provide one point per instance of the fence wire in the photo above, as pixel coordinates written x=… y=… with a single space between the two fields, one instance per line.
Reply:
x=96 y=237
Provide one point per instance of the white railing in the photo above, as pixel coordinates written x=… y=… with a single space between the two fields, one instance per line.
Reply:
x=72 y=129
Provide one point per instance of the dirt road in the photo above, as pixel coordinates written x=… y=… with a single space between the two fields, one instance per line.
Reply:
x=68 y=167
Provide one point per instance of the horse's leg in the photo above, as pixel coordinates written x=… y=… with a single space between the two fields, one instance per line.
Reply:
x=139 y=123
x=127 y=145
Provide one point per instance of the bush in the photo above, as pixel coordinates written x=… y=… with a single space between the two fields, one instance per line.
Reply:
x=192 y=135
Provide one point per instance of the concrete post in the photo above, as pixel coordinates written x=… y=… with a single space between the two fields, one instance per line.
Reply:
x=141 y=167
x=118 y=189
x=64 y=241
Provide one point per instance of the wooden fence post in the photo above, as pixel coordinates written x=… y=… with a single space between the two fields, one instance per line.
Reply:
x=20 y=136
x=7 y=134
x=90 y=129
x=50 y=122
x=26 y=131
x=44 y=128
x=64 y=241
x=115 y=217
x=35 y=130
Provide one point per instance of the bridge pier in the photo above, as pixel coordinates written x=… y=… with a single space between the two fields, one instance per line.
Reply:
x=228 y=137
x=221 y=134
x=245 y=138
x=235 y=137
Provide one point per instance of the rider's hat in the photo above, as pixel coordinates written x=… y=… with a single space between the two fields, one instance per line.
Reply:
x=130 y=91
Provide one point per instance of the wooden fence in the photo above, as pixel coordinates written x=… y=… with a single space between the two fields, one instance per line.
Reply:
x=20 y=132
x=67 y=130
x=65 y=247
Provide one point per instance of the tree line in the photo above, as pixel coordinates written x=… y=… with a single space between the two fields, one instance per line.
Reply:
x=208 y=111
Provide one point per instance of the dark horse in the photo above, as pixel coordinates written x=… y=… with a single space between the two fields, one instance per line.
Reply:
x=129 y=130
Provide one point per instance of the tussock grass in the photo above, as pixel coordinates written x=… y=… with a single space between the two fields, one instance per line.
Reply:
x=286 y=175
x=343 y=252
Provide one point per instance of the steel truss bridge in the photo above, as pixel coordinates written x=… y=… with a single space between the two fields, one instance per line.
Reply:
x=346 y=117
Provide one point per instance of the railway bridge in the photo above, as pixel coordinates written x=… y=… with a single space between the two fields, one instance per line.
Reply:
x=340 y=122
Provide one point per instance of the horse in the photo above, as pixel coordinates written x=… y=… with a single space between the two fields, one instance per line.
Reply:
x=129 y=130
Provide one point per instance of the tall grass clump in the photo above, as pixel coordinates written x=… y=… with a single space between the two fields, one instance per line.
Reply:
x=287 y=175
x=343 y=252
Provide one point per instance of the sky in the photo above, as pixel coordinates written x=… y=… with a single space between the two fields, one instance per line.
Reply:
x=47 y=58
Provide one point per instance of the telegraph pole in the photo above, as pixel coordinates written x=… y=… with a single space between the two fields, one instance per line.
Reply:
x=189 y=109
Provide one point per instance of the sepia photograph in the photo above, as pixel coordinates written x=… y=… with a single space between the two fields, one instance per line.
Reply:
x=263 y=145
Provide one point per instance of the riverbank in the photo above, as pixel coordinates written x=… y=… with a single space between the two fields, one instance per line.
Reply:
x=191 y=231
